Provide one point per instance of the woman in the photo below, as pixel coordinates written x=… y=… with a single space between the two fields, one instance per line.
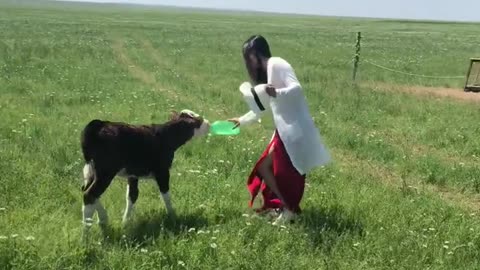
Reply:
x=296 y=147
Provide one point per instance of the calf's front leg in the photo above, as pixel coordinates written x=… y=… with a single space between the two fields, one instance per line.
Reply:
x=131 y=198
x=163 y=178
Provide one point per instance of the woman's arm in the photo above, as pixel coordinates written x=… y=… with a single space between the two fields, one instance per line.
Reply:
x=292 y=88
x=284 y=72
x=249 y=118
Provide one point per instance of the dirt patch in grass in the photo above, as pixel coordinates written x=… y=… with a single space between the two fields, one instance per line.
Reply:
x=439 y=92
x=137 y=71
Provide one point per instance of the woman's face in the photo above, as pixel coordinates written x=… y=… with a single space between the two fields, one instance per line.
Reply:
x=253 y=61
x=255 y=69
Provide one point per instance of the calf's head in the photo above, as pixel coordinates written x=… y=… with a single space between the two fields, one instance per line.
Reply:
x=191 y=121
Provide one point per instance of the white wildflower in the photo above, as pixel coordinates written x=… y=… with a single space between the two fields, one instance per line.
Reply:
x=14 y=235
x=3 y=237
x=213 y=245
x=29 y=238
x=181 y=263
x=143 y=250
x=191 y=230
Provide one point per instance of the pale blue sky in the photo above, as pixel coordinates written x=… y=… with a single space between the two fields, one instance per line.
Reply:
x=452 y=10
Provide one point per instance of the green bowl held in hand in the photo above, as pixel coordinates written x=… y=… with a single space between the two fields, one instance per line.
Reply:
x=225 y=128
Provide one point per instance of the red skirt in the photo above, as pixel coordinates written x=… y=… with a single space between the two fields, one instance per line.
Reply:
x=290 y=182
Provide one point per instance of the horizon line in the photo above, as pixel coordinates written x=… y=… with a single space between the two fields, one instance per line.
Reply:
x=219 y=10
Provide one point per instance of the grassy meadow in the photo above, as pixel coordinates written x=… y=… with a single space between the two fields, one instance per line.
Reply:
x=402 y=193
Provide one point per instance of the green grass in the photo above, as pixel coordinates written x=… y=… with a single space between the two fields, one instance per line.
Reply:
x=402 y=193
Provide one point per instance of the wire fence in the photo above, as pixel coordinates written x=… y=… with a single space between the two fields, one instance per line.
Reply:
x=411 y=74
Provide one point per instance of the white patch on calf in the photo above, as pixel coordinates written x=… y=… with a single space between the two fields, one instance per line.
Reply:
x=88 y=211
x=202 y=130
x=129 y=207
x=204 y=127
x=191 y=113
x=87 y=173
x=128 y=211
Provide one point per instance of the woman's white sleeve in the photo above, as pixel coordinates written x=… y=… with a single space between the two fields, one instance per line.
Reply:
x=249 y=118
x=292 y=88
x=290 y=80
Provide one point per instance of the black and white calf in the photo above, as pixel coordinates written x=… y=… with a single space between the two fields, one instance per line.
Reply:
x=133 y=152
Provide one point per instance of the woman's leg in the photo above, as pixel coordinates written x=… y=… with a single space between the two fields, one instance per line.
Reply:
x=265 y=169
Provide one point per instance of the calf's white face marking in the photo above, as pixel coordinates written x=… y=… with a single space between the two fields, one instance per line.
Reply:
x=202 y=130
x=204 y=127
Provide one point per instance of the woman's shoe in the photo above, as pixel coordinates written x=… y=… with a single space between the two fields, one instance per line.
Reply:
x=285 y=217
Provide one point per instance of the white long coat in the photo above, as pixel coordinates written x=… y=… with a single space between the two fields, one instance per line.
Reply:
x=292 y=118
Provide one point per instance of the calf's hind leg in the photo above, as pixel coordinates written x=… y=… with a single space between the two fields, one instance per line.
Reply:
x=91 y=197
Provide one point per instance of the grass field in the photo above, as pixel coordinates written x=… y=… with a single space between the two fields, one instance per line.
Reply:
x=403 y=192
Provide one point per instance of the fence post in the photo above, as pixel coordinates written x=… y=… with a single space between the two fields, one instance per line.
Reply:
x=356 y=58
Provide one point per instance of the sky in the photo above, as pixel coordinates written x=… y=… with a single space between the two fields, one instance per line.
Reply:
x=448 y=10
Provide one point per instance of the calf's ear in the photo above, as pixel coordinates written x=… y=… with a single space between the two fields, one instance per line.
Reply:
x=173 y=115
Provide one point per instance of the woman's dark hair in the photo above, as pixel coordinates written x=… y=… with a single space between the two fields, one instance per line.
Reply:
x=258 y=46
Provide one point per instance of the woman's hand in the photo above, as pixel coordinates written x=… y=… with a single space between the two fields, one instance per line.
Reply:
x=236 y=121
x=271 y=91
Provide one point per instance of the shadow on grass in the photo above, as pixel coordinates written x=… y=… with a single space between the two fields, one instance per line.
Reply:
x=151 y=227
x=326 y=226
x=148 y=227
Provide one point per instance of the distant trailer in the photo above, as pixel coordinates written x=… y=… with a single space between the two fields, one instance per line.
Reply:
x=473 y=76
